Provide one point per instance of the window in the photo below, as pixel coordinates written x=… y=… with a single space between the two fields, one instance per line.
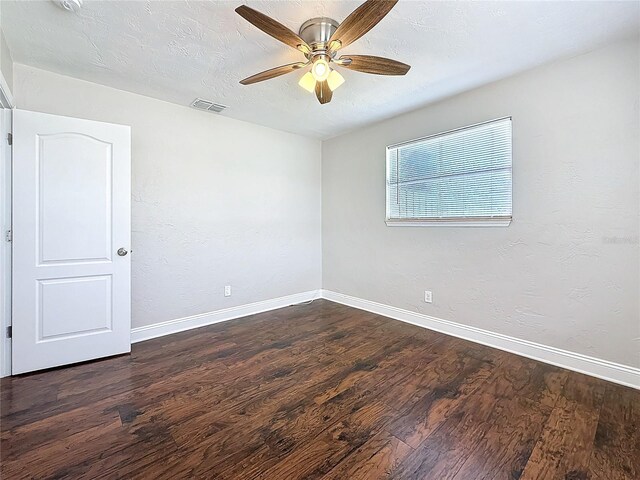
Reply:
x=460 y=177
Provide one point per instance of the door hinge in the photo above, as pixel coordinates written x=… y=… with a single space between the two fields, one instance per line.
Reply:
x=9 y=138
x=8 y=236
x=9 y=331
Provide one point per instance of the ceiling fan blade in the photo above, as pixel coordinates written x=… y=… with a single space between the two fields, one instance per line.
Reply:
x=360 y=21
x=269 y=26
x=323 y=92
x=272 y=73
x=375 y=65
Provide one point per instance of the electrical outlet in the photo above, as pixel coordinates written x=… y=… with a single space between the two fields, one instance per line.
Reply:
x=227 y=290
x=428 y=297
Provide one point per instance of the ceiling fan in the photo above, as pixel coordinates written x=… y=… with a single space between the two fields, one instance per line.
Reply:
x=319 y=39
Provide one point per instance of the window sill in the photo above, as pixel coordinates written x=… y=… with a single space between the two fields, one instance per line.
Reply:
x=450 y=222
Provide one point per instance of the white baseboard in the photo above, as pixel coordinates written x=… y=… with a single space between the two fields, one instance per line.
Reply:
x=148 y=332
x=610 y=371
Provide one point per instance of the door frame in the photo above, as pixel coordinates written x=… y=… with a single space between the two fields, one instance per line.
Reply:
x=6 y=104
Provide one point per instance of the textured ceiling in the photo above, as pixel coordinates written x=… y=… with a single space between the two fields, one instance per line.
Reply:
x=179 y=50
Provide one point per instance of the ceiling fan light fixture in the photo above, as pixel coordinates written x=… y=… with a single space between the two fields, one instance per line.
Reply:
x=334 y=80
x=308 y=82
x=320 y=69
x=319 y=39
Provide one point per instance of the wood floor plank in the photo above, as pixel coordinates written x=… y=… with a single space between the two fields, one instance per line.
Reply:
x=443 y=453
x=319 y=455
x=444 y=387
x=316 y=391
x=506 y=445
x=375 y=460
x=616 y=452
x=565 y=446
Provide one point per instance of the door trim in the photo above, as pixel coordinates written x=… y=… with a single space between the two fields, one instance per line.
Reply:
x=6 y=104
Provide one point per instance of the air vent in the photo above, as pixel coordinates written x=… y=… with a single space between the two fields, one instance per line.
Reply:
x=201 y=104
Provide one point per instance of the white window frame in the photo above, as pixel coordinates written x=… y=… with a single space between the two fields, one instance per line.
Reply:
x=484 y=221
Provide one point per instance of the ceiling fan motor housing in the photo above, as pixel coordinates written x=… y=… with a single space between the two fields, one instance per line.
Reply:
x=317 y=31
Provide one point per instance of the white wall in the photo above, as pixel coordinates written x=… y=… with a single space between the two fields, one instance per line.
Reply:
x=566 y=272
x=6 y=62
x=216 y=201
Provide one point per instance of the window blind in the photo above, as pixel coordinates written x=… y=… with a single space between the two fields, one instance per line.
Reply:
x=454 y=177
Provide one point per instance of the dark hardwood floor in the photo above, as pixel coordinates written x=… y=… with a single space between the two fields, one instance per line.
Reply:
x=317 y=391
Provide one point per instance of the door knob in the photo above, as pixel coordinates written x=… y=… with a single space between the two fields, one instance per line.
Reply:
x=122 y=252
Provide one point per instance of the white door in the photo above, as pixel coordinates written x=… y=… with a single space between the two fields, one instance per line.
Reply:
x=71 y=235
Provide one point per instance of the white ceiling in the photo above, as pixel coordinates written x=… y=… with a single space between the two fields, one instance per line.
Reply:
x=179 y=50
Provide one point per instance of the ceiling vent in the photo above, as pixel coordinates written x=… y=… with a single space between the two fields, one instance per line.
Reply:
x=201 y=104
